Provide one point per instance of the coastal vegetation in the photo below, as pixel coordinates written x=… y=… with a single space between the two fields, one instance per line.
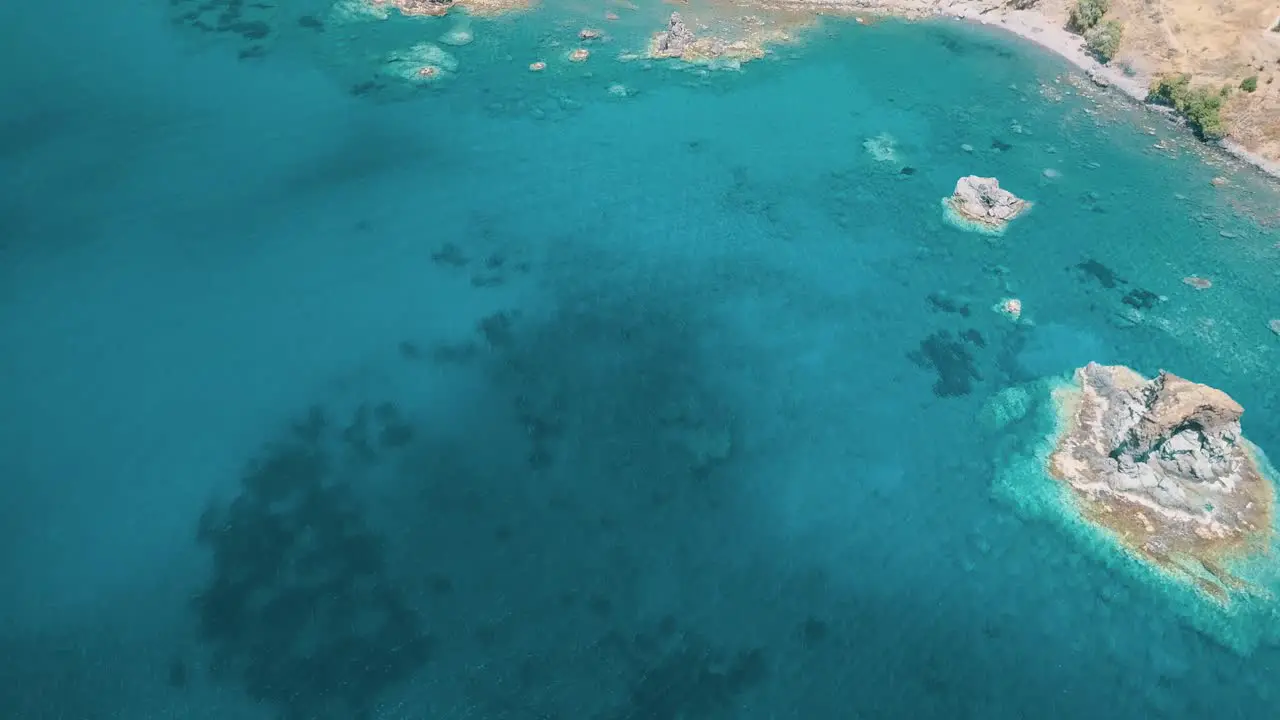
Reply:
x=1249 y=84
x=1086 y=14
x=1103 y=40
x=1200 y=105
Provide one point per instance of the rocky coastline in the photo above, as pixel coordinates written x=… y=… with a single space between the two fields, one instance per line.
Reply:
x=750 y=27
x=1045 y=29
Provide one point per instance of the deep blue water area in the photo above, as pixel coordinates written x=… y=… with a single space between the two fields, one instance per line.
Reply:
x=515 y=397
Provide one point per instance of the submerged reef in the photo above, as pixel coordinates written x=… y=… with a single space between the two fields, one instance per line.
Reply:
x=882 y=148
x=421 y=63
x=979 y=204
x=1156 y=477
x=300 y=608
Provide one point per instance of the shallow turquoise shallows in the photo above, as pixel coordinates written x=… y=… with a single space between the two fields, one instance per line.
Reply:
x=618 y=391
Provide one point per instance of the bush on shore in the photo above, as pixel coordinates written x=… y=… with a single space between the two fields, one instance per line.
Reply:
x=1087 y=13
x=1201 y=106
x=1104 y=40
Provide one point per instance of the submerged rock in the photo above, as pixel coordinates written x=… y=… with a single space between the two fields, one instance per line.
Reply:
x=1005 y=408
x=1162 y=465
x=981 y=205
x=422 y=63
x=882 y=148
x=458 y=35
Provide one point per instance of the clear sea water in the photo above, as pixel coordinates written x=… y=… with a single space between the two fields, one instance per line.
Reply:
x=514 y=398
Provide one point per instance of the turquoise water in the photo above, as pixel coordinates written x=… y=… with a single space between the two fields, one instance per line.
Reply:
x=513 y=398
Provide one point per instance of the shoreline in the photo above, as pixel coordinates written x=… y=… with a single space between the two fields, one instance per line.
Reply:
x=1039 y=29
x=1043 y=30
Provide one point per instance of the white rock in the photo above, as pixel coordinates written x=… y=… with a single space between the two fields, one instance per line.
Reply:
x=980 y=204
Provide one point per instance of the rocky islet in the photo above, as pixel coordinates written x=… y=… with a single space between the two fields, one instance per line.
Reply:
x=1162 y=465
x=981 y=205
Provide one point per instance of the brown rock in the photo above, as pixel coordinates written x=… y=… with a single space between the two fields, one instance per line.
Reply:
x=1177 y=404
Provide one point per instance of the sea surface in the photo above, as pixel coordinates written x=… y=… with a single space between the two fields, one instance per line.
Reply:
x=520 y=395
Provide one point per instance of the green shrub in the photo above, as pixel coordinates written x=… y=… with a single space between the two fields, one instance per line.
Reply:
x=1249 y=84
x=1104 y=40
x=1087 y=13
x=1201 y=106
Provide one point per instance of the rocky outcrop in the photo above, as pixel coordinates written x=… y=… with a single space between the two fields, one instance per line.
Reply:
x=678 y=41
x=674 y=41
x=1162 y=463
x=436 y=8
x=429 y=8
x=981 y=200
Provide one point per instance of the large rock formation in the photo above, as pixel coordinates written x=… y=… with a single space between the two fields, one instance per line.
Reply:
x=429 y=8
x=678 y=41
x=674 y=41
x=1163 y=465
x=983 y=202
x=353 y=10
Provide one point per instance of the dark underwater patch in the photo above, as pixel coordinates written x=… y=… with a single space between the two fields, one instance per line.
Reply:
x=952 y=362
x=942 y=302
x=1140 y=299
x=692 y=679
x=1105 y=276
x=299 y=607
